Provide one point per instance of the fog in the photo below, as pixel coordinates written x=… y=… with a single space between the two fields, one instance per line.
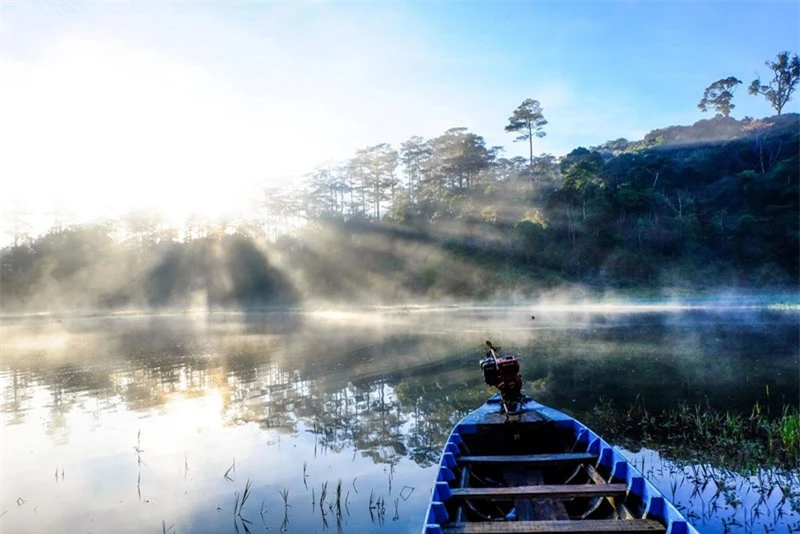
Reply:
x=450 y=220
x=283 y=232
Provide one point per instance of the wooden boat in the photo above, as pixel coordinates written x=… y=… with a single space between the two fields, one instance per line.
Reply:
x=514 y=465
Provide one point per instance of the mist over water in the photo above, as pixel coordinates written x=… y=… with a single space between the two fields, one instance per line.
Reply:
x=122 y=422
x=239 y=293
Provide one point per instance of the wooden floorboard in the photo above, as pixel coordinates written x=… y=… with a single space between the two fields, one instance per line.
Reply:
x=539 y=527
x=523 y=506
x=570 y=457
x=528 y=509
x=565 y=491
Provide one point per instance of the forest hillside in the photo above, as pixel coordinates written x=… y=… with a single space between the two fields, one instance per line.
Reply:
x=709 y=206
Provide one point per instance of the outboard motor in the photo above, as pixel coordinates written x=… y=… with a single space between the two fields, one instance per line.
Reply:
x=502 y=372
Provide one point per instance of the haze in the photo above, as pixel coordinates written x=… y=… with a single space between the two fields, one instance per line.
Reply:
x=194 y=108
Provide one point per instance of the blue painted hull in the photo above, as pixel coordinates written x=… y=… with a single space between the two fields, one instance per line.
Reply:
x=541 y=430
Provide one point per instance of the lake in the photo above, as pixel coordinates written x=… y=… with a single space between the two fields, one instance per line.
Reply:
x=333 y=421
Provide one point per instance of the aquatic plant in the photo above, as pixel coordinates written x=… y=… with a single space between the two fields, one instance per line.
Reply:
x=227 y=476
x=789 y=431
x=743 y=442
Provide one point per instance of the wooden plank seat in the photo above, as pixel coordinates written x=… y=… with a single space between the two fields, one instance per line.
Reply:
x=538 y=527
x=566 y=491
x=534 y=459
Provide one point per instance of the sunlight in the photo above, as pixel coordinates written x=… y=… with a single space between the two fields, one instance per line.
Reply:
x=129 y=128
x=254 y=249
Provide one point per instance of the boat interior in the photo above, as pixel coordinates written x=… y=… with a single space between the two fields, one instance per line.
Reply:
x=533 y=475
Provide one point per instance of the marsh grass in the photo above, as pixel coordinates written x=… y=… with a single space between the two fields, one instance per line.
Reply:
x=789 y=430
x=284 y=493
x=339 y=497
x=743 y=442
x=323 y=493
x=245 y=495
x=738 y=471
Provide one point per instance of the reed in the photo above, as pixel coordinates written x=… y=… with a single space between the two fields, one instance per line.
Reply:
x=789 y=430
x=245 y=495
x=227 y=476
x=745 y=442
x=339 y=497
x=323 y=493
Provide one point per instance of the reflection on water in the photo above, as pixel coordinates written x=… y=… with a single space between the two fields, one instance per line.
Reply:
x=142 y=423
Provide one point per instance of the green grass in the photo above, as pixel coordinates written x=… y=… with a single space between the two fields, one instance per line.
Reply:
x=788 y=429
x=739 y=441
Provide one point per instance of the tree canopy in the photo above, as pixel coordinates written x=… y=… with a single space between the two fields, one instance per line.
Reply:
x=528 y=122
x=711 y=203
x=786 y=73
x=714 y=202
x=718 y=96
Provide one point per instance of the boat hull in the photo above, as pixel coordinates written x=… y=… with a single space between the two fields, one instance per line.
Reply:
x=540 y=470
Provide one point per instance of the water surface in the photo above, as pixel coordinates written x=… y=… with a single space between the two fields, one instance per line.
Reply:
x=147 y=423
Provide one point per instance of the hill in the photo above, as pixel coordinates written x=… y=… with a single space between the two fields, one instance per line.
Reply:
x=688 y=208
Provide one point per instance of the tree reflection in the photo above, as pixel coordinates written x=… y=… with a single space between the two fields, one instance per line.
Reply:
x=380 y=388
x=17 y=395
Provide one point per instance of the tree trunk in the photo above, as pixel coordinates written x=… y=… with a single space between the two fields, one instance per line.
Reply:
x=530 y=155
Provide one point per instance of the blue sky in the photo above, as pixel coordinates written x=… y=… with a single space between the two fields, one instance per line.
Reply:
x=192 y=106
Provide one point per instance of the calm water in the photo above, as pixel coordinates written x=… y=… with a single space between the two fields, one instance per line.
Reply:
x=159 y=423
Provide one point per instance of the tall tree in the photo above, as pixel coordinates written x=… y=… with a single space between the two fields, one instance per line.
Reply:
x=527 y=121
x=357 y=170
x=323 y=192
x=779 y=90
x=413 y=154
x=456 y=157
x=582 y=173
x=718 y=95
x=379 y=164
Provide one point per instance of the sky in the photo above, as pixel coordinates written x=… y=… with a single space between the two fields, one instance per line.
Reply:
x=194 y=107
